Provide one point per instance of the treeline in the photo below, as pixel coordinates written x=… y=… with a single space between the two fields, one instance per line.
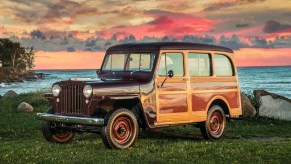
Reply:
x=71 y=43
x=14 y=55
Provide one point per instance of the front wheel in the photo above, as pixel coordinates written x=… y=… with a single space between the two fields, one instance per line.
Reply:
x=121 y=130
x=213 y=127
x=52 y=133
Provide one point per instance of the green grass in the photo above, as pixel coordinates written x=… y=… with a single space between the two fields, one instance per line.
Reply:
x=245 y=141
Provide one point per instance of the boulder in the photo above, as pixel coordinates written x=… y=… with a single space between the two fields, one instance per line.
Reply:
x=274 y=106
x=24 y=107
x=10 y=93
x=248 y=110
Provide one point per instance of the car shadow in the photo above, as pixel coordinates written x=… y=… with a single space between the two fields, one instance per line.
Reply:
x=155 y=135
x=173 y=136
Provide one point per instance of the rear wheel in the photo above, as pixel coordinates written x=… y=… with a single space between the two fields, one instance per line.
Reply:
x=214 y=126
x=121 y=130
x=53 y=133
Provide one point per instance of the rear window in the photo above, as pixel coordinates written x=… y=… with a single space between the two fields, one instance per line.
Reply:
x=223 y=65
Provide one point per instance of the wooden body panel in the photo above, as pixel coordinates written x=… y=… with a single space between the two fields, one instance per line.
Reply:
x=172 y=98
x=205 y=89
x=187 y=99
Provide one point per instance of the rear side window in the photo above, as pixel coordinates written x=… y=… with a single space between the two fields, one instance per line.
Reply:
x=199 y=64
x=223 y=65
x=171 y=61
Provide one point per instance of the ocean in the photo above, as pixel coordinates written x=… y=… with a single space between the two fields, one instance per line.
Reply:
x=273 y=79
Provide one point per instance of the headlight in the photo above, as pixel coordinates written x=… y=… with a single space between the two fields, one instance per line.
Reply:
x=56 y=89
x=87 y=91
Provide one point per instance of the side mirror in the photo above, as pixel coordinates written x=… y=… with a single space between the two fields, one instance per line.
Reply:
x=170 y=73
x=97 y=71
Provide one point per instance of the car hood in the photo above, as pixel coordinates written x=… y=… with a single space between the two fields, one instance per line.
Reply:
x=111 y=86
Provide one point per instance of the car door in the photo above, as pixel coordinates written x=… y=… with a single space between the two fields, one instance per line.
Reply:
x=172 y=97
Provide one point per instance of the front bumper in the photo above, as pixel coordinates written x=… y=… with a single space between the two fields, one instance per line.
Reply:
x=71 y=119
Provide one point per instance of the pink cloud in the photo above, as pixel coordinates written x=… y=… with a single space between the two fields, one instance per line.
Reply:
x=164 y=23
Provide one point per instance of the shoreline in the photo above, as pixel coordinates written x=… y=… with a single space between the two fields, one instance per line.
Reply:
x=14 y=76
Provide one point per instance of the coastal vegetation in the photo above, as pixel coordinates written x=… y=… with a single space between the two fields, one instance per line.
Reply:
x=15 y=61
x=14 y=55
x=255 y=100
x=257 y=140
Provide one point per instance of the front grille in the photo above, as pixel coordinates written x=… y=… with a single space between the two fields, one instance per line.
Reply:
x=72 y=99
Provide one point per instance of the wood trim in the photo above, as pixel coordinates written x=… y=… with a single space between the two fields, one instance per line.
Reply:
x=214 y=91
x=171 y=92
x=235 y=111
x=212 y=79
x=173 y=123
x=194 y=117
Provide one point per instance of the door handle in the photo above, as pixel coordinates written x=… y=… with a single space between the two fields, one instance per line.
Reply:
x=185 y=79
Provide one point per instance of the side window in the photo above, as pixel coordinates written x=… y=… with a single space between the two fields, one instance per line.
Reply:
x=223 y=65
x=171 y=61
x=199 y=64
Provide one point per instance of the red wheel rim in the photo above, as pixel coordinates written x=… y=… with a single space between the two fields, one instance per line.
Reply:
x=215 y=123
x=122 y=130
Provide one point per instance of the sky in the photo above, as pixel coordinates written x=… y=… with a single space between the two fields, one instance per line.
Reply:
x=65 y=29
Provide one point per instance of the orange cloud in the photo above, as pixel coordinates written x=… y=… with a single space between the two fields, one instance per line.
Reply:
x=93 y=60
x=263 y=57
x=68 y=60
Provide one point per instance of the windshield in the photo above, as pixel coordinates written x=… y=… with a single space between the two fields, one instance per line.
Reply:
x=129 y=62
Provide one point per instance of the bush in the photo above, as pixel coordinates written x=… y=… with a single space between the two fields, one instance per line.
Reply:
x=256 y=101
x=36 y=99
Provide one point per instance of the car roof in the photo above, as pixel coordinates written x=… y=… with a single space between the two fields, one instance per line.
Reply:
x=155 y=46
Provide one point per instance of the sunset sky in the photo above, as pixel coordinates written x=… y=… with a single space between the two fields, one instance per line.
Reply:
x=85 y=19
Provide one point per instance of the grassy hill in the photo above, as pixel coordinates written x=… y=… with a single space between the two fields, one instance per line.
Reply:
x=245 y=141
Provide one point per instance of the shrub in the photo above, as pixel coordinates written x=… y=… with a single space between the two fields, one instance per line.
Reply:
x=256 y=101
x=36 y=99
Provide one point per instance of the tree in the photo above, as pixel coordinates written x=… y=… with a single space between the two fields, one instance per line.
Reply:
x=13 y=54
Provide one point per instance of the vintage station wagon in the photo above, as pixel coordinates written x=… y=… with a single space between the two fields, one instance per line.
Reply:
x=147 y=86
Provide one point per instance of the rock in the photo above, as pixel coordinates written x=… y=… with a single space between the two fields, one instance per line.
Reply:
x=247 y=108
x=265 y=93
x=274 y=106
x=24 y=107
x=18 y=80
x=10 y=93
